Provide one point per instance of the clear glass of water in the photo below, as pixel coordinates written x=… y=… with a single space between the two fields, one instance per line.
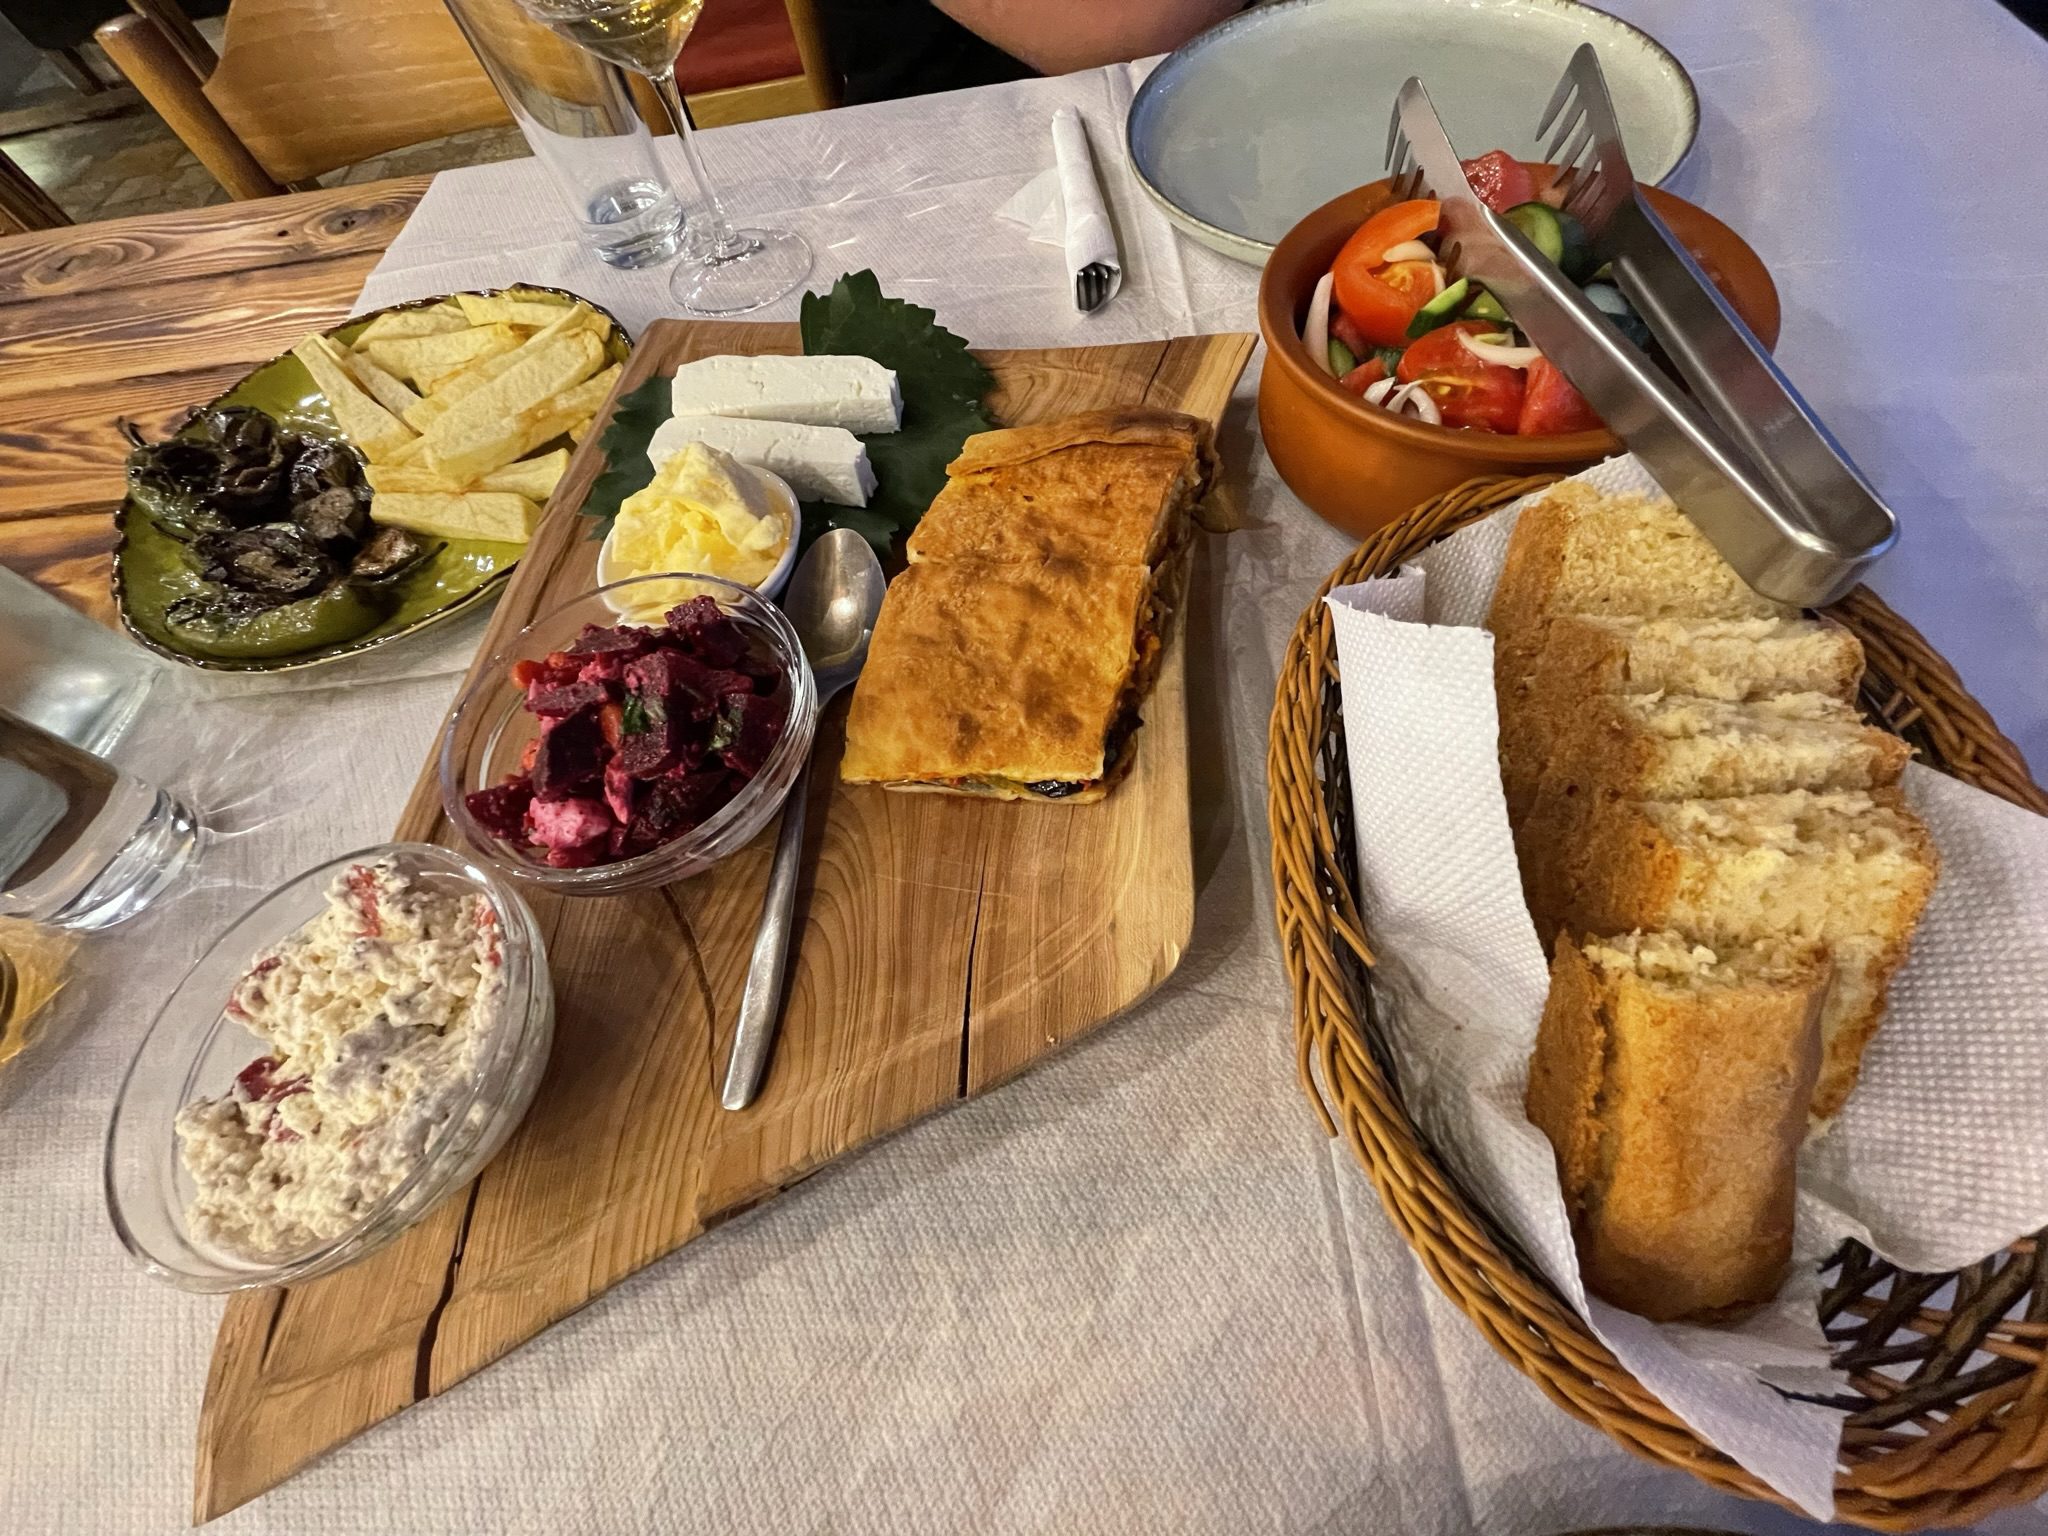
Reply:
x=61 y=671
x=577 y=114
x=82 y=844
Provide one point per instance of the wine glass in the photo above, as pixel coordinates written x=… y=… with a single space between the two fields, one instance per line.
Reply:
x=724 y=271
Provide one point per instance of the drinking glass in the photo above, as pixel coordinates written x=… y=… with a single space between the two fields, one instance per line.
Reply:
x=577 y=115
x=82 y=844
x=59 y=670
x=727 y=270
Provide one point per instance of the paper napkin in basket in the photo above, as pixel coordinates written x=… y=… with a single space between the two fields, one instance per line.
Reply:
x=1941 y=1156
x=1063 y=206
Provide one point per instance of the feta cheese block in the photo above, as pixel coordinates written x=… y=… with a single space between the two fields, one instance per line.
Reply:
x=856 y=393
x=820 y=463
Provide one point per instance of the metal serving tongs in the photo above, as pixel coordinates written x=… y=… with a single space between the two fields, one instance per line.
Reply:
x=1744 y=457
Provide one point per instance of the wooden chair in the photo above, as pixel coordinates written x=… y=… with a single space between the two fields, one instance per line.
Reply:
x=303 y=87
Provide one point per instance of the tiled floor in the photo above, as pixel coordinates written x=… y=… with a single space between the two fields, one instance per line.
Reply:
x=134 y=164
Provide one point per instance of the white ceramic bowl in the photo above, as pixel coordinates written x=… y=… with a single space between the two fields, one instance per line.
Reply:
x=608 y=570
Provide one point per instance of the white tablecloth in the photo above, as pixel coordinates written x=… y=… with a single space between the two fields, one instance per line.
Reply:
x=1135 y=1290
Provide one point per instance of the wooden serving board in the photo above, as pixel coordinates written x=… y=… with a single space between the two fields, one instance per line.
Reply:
x=947 y=944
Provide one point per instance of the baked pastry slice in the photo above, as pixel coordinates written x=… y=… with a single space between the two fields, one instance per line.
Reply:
x=1851 y=870
x=1109 y=487
x=1672 y=1080
x=1018 y=681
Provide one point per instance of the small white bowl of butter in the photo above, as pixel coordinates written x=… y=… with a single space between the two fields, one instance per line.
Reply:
x=705 y=512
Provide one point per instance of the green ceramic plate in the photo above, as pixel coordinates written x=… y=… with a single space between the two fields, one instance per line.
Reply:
x=149 y=567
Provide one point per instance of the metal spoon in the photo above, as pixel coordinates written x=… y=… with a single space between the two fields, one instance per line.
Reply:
x=832 y=601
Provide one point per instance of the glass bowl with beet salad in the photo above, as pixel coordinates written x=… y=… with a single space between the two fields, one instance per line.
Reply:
x=595 y=756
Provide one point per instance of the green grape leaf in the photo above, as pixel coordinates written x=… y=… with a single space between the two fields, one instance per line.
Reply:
x=626 y=436
x=942 y=384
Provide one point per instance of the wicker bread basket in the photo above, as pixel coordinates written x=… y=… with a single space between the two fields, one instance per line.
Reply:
x=1946 y=1412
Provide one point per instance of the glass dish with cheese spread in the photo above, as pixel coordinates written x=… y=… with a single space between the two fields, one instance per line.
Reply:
x=351 y=1051
x=706 y=513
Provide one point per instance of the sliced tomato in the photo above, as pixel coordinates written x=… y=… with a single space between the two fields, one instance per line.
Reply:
x=1393 y=224
x=1352 y=337
x=1364 y=376
x=1469 y=393
x=1420 y=280
x=1379 y=312
x=1550 y=404
x=1500 y=180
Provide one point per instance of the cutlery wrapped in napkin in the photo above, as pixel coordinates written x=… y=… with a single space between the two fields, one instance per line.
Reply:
x=1938 y=1159
x=1063 y=206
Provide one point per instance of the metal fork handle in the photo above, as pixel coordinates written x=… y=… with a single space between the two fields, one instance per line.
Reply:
x=1741 y=388
x=753 y=1039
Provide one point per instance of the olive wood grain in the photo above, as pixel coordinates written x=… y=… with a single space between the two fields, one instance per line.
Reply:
x=947 y=944
x=158 y=250
x=142 y=319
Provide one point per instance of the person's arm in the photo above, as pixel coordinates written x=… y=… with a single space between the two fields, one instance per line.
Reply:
x=1056 y=36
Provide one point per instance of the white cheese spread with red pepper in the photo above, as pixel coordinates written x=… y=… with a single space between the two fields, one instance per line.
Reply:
x=375 y=1015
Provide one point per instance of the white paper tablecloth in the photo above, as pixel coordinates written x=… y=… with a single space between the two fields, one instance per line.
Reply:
x=1135 y=1290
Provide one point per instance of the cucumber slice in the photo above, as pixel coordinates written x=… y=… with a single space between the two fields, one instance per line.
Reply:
x=1341 y=360
x=1485 y=306
x=1577 y=261
x=1439 y=309
x=1390 y=358
x=1544 y=226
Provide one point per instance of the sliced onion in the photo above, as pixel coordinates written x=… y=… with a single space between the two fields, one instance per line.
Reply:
x=1418 y=397
x=1487 y=350
x=1392 y=395
x=1407 y=250
x=1315 y=331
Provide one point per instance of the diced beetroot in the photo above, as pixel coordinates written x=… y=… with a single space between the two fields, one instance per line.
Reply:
x=671 y=806
x=501 y=809
x=620 y=639
x=605 y=667
x=618 y=790
x=757 y=725
x=572 y=754
x=645 y=755
x=703 y=626
x=553 y=702
x=582 y=856
x=644 y=734
x=568 y=823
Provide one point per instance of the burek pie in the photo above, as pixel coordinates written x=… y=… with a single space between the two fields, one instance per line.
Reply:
x=1011 y=658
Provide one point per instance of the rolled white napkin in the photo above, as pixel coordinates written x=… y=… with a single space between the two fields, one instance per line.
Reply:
x=1063 y=206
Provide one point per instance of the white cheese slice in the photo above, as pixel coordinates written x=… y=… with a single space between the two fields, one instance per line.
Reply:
x=856 y=393
x=820 y=463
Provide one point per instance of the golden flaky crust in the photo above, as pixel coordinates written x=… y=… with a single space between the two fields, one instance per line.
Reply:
x=982 y=670
x=1105 y=488
x=1676 y=1114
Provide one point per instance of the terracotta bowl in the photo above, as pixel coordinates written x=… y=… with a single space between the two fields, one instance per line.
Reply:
x=1359 y=467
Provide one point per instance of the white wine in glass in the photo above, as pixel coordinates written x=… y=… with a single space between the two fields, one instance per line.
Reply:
x=728 y=270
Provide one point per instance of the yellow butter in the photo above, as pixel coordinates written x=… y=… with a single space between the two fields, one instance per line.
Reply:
x=703 y=511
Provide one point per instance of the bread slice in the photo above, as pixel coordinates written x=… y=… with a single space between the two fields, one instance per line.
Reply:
x=1851 y=870
x=1727 y=659
x=1672 y=1081
x=1584 y=551
x=1658 y=747
x=1734 y=660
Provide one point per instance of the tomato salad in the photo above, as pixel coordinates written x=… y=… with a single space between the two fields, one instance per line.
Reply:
x=1389 y=324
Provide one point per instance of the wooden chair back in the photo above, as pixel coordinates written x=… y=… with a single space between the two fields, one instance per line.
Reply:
x=303 y=87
